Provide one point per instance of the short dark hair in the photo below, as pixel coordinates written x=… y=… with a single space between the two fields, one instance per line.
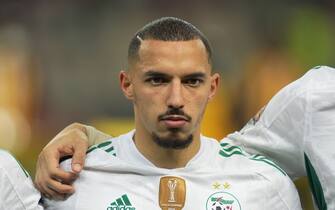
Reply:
x=167 y=29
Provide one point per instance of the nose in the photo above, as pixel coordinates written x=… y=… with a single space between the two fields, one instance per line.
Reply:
x=175 y=97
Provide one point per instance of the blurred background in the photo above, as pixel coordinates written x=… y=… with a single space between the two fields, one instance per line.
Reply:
x=59 y=61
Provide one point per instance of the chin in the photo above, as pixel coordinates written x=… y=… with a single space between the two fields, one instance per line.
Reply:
x=173 y=140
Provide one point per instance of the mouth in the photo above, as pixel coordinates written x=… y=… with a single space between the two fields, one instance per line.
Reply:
x=174 y=121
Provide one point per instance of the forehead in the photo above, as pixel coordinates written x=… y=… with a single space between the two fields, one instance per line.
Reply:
x=173 y=55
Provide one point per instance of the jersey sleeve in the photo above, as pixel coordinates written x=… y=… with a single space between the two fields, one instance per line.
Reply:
x=283 y=189
x=297 y=130
x=277 y=132
x=319 y=138
x=17 y=189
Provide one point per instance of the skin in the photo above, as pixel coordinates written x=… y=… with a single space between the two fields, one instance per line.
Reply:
x=167 y=75
x=72 y=140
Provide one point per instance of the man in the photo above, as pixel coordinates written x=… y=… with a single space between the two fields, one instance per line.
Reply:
x=17 y=190
x=165 y=163
x=296 y=129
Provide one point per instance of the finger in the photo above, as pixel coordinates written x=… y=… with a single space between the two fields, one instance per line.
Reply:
x=60 y=188
x=79 y=155
x=54 y=189
x=49 y=158
x=38 y=187
x=50 y=161
x=42 y=173
x=47 y=192
x=51 y=194
x=62 y=176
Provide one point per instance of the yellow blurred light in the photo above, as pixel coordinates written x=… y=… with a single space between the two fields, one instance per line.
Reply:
x=15 y=132
x=8 y=130
x=114 y=126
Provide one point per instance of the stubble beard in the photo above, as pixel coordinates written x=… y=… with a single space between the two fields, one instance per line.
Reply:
x=172 y=141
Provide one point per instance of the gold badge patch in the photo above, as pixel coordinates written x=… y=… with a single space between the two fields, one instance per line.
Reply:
x=172 y=193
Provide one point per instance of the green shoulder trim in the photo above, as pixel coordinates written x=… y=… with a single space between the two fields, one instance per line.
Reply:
x=268 y=161
x=225 y=154
x=228 y=150
x=315 y=185
x=106 y=146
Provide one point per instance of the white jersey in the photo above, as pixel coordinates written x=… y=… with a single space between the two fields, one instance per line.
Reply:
x=297 y=130
x=117 y=176
x=17 y=191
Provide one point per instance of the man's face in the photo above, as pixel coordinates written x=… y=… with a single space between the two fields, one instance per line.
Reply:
x=170 y=85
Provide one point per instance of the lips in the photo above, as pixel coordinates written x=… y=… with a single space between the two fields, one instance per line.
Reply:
x=174 y=121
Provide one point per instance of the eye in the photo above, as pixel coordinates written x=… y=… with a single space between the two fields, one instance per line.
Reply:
x=155 y=81
x=193 y=82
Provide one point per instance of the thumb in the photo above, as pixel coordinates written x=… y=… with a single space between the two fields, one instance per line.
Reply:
x=79 y=155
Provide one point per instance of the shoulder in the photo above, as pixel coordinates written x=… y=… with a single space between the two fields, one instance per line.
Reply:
x=17 y=189
x=10 y=166
x=312 y=94
x=291 y=102
x=103 y=153
x=5 y=156
x=97 y=154
x=315 y=79
x=320 y=76
x=265 y=169
x=257 y=163
x=209 y=143
x=113 y=145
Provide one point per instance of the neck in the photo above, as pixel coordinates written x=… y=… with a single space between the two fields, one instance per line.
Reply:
x=163 y=157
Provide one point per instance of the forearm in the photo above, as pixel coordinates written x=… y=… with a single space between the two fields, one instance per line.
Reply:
x=95 y=136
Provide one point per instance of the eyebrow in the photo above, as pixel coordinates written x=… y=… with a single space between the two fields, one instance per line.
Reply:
x=195 y=75
x=154 y=73
x=151 y=73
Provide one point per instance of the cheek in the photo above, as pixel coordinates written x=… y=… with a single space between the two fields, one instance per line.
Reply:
x=198 y=103
x=202 y=103
x=147 y=101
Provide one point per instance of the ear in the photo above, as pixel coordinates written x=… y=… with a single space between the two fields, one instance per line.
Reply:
x=126 y=85
x=215 y=82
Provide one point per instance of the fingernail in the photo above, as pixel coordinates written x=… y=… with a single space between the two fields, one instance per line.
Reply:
x=76 y=167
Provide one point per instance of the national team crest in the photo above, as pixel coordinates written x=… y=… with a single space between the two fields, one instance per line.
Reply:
x=222 y=201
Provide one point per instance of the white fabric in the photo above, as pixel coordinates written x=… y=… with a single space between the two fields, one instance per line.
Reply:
x=298 y=120
x=17 y=191
x=250 y=182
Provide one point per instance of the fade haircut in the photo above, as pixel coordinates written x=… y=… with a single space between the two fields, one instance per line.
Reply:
x=167 y=29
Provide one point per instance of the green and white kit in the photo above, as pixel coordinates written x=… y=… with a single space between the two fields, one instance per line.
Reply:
x=221 y=176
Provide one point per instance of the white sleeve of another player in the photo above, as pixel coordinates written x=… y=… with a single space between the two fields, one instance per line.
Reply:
x=297 y=130
x=277 y=133
x=319 y=137
x=17 y=190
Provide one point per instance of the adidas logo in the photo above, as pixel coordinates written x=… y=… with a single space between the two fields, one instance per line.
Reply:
x=122 y=203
